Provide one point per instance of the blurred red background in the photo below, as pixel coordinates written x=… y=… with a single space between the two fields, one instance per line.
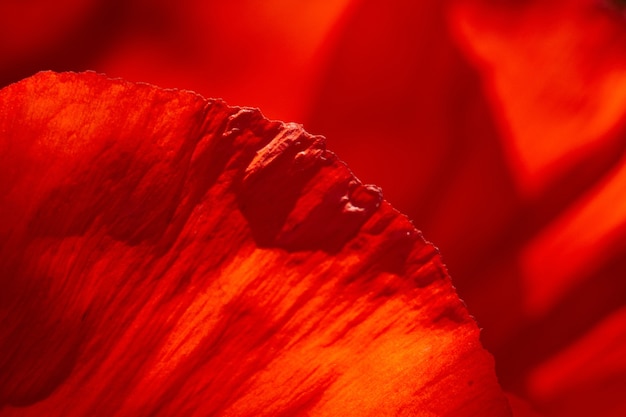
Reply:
x=497 y=126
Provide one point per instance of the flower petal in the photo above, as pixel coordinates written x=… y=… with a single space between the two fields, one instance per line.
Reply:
x=589 y=377
x=555 y=71
x=167 y=254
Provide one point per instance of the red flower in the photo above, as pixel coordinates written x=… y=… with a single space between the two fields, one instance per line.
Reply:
x=497 y=126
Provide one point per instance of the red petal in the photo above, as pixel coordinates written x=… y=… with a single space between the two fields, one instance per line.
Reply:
x=162 y=253
x=589 y=377
x=552 y=118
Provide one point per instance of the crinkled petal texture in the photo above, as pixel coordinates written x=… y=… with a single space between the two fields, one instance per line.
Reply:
x=163 y=254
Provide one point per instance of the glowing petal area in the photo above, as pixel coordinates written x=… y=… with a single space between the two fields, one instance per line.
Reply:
x=164 y=254
x=556 y=75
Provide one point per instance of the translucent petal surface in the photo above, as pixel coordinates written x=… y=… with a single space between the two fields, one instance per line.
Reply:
x=163 y=254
